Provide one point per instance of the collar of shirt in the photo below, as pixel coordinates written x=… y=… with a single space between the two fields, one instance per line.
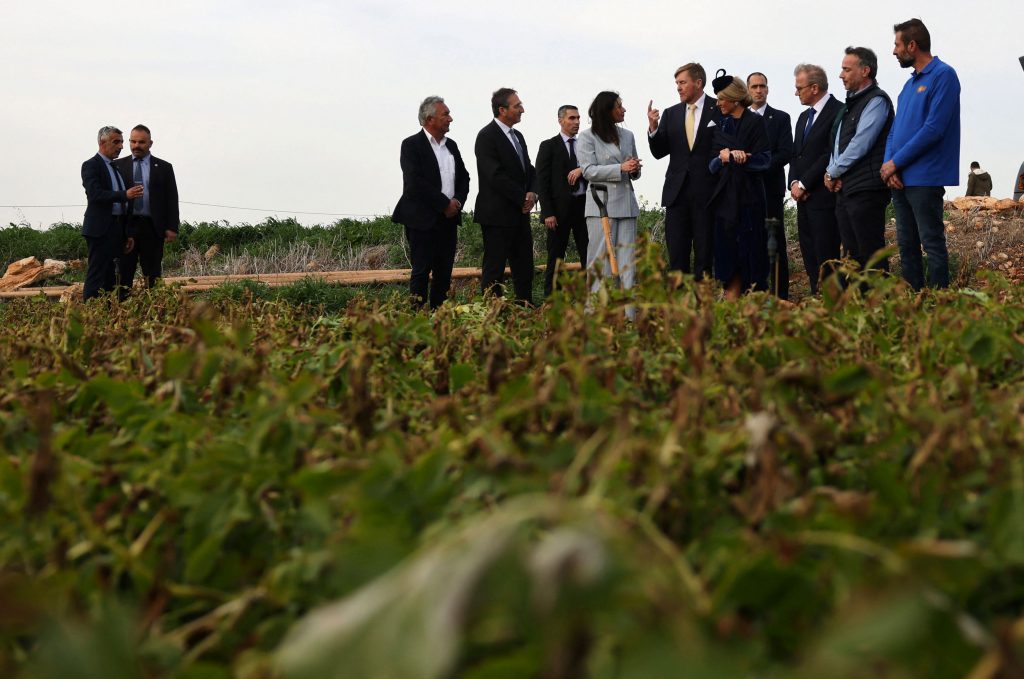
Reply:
x=820 y=105
x=565 y=137
x=759 y=111
x=504 y=128
x=927 y=69
x=144 y=160
x=434 y=142
x=697 y=112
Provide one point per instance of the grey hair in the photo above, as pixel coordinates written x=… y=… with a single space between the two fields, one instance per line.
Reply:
x=106 y=131
x=815 y=75
x=429 y=108
x=564 y=108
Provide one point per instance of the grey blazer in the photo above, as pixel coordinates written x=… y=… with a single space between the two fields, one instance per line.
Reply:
x=600 y=163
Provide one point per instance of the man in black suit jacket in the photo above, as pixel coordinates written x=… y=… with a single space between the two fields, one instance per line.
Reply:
x=435 y=184
x=562 y=192
x=780 y=138
x=688 y=181
x=507 y=195
x=812 y=147
x=103 y=224
x=153 y=218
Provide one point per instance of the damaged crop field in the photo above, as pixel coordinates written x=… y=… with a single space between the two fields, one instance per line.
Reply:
x=223 y=486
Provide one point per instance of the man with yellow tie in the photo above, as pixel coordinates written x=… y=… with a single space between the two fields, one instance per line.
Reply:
x=684 y=135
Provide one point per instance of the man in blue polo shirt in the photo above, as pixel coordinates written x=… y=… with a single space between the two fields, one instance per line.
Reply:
x=922 y=155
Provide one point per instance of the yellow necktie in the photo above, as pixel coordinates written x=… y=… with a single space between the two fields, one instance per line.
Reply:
x=690 y=124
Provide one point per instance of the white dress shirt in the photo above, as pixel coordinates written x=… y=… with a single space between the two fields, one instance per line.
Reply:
x=445 y=163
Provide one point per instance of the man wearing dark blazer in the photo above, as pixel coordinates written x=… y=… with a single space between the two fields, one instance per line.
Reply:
x=780 y=138
x=103 y=224
x=812 y=147
x=562 y=192
x=684 y=135
x=153 y=218
x=435 y=184
x=507 y=195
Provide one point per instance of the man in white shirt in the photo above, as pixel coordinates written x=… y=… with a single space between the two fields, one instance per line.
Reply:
x=435 y=184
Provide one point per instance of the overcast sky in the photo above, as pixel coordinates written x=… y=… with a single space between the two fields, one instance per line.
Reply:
x=301 y=106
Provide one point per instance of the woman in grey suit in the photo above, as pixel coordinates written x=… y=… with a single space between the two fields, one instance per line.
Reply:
x=607 y=155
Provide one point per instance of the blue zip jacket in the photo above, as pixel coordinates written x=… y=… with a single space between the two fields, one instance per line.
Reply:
x=924 y=140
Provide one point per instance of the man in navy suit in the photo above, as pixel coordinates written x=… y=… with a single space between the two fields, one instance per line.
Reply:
x=152 y=219
x=684 y=134
x=435 y=184
x=507 y=194
x=812 y=147
x=103 y=224
x=780 y=139
x=562 y=192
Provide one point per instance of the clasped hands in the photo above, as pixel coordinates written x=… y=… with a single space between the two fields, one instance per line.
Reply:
x=891 y=176
x=734 y=155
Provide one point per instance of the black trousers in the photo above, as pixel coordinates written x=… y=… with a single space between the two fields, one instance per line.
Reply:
x=861 y=220
x=148 y=252
x=100 y=272
x=689 y=224
x=432 y=252
x=573 y=223
x=513 y=245
x=819 y=240
x=778 y=276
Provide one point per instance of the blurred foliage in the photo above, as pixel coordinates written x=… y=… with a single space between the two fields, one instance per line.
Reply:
x=242 y=486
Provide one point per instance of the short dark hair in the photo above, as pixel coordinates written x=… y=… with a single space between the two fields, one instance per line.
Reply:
x=975 y=165
x=565 y=107
x=914 y=30
x=867 y=57
x=500 y=99
x=142 y=128
x=696 y=72
x=757 y=73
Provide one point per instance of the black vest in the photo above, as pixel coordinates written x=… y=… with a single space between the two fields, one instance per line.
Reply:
x=863 y=175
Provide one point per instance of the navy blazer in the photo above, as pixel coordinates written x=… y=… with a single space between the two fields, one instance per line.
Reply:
x=553 y=167
x=811 y=155
x=780 y=139
x=422 y=204
x=686 y=166
x=163 y=191
x=100 y=195
x=504 y=182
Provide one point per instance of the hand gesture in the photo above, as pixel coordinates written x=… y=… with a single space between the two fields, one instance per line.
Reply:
x=653 y=116
x=574 y=176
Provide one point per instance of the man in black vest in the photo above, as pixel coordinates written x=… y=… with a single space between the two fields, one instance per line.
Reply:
x=857 y=157
x=815 y=205
x=562 y=192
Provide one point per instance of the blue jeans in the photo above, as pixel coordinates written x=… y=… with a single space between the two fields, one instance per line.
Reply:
x=919 y=223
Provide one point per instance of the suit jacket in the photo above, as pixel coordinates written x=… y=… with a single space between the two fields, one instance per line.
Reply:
x=811 y=155
x=504 y=182
x=780 y=139
x=100 y=195
x=422 y=204
x=553 y=167
x=601 y=163
x=684 y=164
x=163 y=191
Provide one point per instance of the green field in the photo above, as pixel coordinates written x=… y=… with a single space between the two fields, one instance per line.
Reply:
x=233 y=486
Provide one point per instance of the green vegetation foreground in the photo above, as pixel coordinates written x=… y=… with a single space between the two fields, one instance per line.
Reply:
x=719 y=489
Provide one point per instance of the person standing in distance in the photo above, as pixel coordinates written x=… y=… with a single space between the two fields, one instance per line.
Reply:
x=435 y=184
x=684 y=135
x=979 y=182
x=815 y=204
x=780 y=140
x=506 y=196
x=852 y=173
x=153 y=218
x=562 y=192
x=103 y=224
x=922 y=154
